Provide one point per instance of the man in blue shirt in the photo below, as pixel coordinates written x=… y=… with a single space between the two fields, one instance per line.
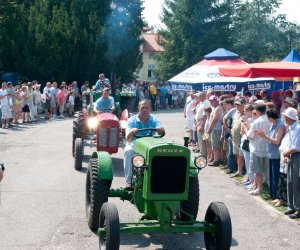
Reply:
x=293 y=174
x=105 y=104
x=139 y=121
x=101 y=83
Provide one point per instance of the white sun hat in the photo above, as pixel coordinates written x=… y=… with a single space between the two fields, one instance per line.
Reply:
x=291 y=113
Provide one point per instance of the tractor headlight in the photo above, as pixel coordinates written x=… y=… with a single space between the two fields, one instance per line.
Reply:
x=93 y=122
x=138 y=161
x=200 y=162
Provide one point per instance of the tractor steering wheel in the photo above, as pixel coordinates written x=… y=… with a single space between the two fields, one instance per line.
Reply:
x=149 y=134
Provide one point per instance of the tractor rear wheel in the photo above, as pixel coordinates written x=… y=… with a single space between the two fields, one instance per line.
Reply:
x=78 y=128
x=78 y=153
x=218 y=215
x=96 y=194
x=109 y=219
x=191 y=205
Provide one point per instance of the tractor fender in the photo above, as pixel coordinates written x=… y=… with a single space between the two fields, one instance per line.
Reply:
x=104 y=165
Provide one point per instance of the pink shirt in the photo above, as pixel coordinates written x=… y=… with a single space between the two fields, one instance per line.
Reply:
x=61 y=96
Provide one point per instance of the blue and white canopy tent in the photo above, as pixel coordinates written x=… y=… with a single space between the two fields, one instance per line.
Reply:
x=205 y=75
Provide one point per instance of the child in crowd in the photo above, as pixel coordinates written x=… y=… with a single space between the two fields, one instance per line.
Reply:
x=25 y=108
x=71 y=103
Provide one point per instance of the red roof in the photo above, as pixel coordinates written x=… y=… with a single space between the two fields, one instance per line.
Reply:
x=151 y=42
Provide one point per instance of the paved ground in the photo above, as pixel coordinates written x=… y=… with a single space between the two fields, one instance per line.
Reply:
x=42 y=198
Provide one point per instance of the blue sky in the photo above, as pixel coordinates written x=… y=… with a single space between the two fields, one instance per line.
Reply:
x=153 y=10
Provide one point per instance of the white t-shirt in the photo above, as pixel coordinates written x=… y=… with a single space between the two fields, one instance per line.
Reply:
x=189 y=108
x=37 y=96
x=48 y=92
x=71 y=100
x=3 y=101
x=200 y=109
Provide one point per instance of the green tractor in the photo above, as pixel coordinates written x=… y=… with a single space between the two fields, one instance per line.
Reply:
x=166 y=191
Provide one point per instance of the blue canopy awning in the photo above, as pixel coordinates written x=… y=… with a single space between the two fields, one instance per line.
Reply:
x=293 y=56
x=221 y=54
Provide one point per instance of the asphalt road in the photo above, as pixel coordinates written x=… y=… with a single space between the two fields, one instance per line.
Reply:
x=43 y=197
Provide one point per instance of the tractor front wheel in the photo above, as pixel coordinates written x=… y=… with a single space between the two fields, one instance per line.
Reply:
x=78 y=154
x=109 y=219
x=190 y=206
x=96 y=194
x=218 y=215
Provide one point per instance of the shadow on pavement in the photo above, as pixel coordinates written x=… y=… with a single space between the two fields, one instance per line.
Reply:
x=118 y=169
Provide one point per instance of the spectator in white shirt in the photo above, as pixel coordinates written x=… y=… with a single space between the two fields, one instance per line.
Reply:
x=259 y=161
x=5 y=109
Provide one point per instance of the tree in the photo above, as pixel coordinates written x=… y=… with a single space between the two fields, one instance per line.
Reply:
x=69 y=39
x=258 y=34
x=193 y=29
x=122 y=35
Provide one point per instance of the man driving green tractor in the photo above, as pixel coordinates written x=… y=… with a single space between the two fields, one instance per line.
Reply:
x=141 y=120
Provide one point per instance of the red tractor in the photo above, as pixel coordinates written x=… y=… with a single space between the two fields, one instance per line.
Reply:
x=105 y=131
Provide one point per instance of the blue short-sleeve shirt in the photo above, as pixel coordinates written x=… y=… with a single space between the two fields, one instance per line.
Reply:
x=104 y=105
x=273 y=150
x=294 y=136
x=135 y=122
x=101 y=85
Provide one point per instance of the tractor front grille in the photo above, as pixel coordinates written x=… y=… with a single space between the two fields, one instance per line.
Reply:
x=108 y=137
x=168 y=174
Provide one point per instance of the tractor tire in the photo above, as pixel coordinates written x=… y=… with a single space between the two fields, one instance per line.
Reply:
x=109 y=219
x=191 y=205
x=96 y=194
x=78 y=128
x=218 y=214
x=78 y=154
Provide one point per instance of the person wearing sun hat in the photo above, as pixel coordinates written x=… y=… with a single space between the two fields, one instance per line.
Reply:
x=288 y=102
x=292 y=155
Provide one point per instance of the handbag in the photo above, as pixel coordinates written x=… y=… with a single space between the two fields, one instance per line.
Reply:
x=245 y=145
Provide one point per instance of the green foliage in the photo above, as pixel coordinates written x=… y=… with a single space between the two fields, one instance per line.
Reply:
x=67 y=40
x=193 y=29
x=249 y=28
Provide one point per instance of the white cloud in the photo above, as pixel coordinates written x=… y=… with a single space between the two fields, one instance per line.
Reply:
x=291 y=9
x=153 y=10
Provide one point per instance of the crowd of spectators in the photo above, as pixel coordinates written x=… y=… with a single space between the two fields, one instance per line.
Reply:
x=256 y=137
x=25 y=102
x=161 y=95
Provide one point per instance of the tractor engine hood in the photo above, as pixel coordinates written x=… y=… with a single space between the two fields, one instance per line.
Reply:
x=159 y=146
